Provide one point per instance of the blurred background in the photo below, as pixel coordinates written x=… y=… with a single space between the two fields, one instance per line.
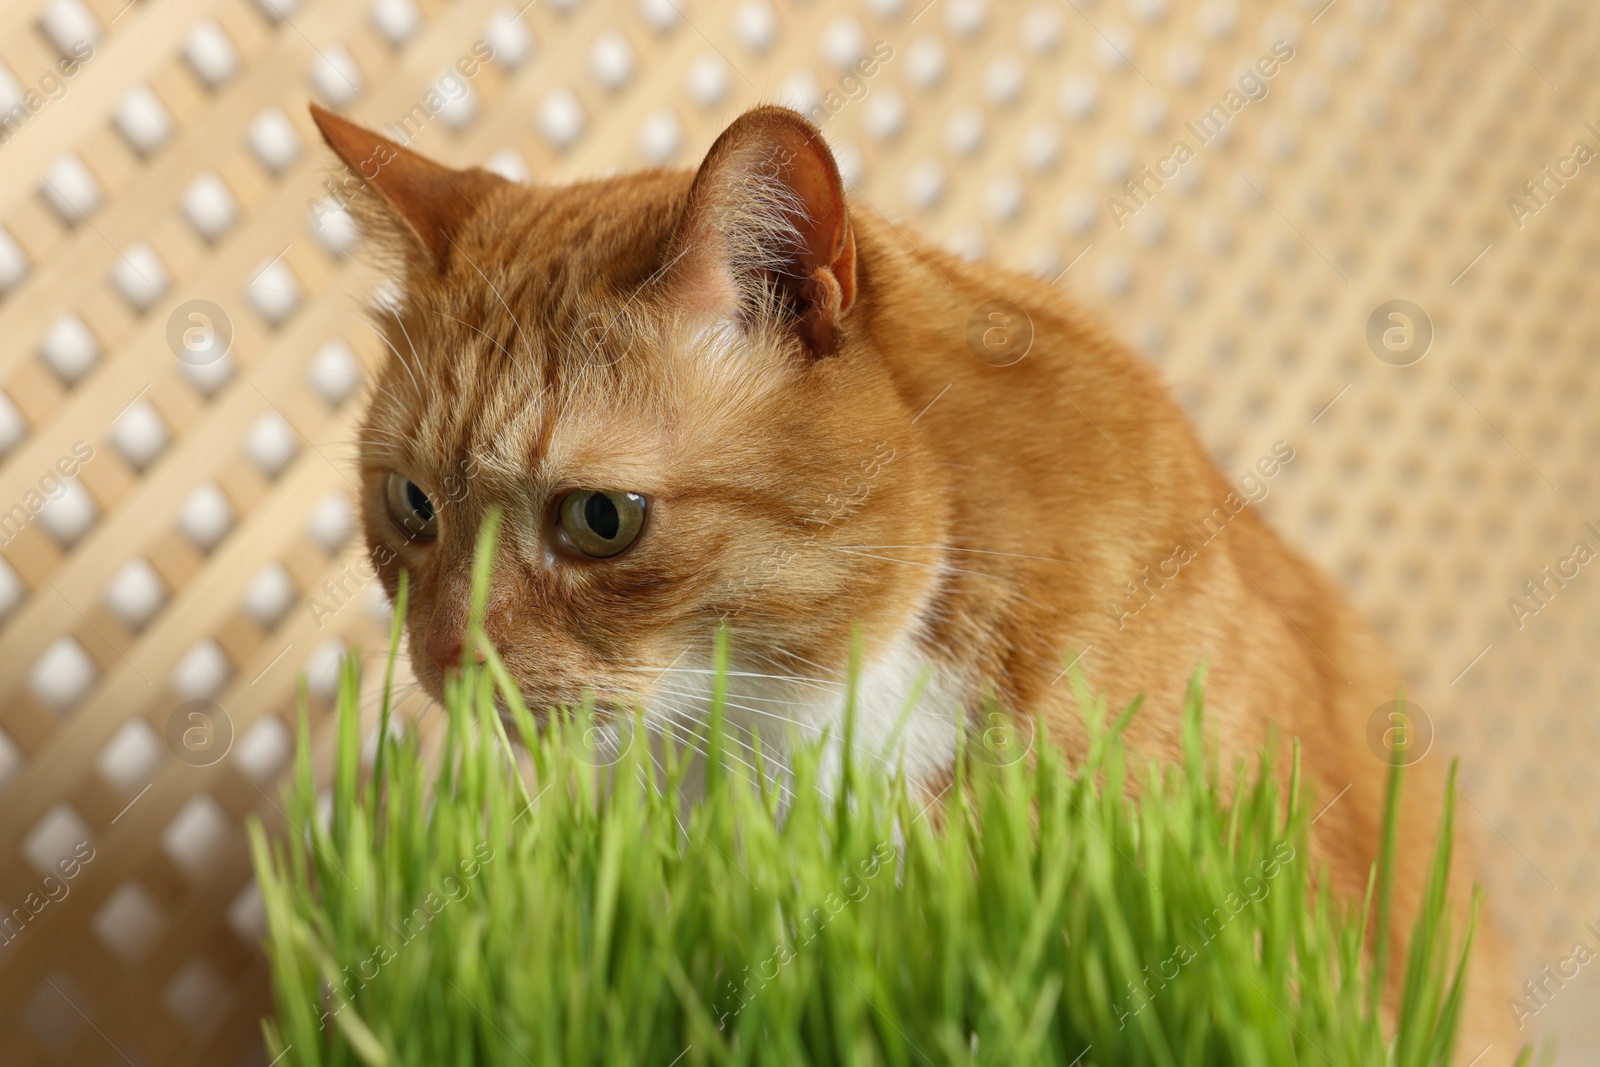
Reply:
x=1380 y=246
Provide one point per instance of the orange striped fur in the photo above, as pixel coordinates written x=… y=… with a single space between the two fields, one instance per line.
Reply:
x=790 y=382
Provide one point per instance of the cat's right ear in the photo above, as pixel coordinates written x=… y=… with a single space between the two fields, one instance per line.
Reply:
x=766 y=229
x=420 y=203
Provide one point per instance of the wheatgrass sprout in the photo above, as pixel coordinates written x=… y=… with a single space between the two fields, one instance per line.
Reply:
x=454 y=912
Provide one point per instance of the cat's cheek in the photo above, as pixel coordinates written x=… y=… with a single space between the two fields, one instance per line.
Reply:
x=389 y=561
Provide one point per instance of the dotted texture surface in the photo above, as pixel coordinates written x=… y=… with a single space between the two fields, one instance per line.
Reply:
x=183 y=355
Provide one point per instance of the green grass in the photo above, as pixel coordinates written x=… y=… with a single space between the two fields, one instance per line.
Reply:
x=450 y=911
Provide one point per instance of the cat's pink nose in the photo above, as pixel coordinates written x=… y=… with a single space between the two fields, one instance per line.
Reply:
x=445 y=650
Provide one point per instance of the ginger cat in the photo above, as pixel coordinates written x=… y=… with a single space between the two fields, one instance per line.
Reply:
x=735 y=395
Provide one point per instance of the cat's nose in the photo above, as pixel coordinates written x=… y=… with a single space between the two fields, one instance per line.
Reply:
x=445 y=650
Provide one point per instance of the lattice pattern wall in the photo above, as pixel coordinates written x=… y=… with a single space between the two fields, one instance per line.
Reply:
x=176 y=541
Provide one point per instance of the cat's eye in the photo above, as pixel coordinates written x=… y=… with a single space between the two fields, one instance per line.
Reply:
x=410 y=509
x=601 y=524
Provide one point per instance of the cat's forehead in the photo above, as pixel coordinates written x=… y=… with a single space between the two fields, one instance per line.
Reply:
x=555 y=409
x=567 y=246
x=519 y=419
x=546 y=285
x=549 y=345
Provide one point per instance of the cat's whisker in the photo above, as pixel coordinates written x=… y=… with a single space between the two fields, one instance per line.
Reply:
x=812 y=683
x=939 y=566
x=402 y=692
x=687 y=712
x=662 y=270
x=364 y=444
x=384 y=429
x=409 y=344
x=492 y=288
x=815 y=729
x=839 y=683
x=973 y=551
x=820 y=732
x=861 y=687
x=677 y=706
x=378 y=438
x=368 y=323
x=778 y=777
x=380 y=448
x=838 y=676
x=488 y=219
x=659 y=273
x=389 y=446
x=615 y=318
x=351 y=450
x=700 y=697
x=690 y=738
x=468 y=325
x=942 y=566
x=738 y=674
x=764 y=699
x=657 y=785
x=390 y=393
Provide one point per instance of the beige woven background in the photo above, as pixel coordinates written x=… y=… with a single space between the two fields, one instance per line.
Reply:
x=187 y=559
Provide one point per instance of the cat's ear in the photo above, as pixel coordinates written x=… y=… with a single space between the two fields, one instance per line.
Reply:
x=424 y=203
x=766 y=224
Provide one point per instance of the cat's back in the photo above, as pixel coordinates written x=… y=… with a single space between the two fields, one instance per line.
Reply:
x=1120 y=542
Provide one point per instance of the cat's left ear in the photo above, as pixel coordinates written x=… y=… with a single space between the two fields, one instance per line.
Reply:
x=766 y=224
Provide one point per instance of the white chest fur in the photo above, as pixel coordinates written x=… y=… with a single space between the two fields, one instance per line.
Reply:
x=908 y=709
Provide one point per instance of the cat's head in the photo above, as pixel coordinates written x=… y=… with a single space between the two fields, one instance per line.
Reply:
x=670 y=384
